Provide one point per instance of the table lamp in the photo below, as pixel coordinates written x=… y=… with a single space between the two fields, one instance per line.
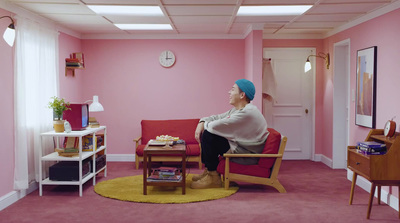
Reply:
x=95 y=107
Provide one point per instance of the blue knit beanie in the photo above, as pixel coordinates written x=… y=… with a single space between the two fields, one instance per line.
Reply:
x=247 y=87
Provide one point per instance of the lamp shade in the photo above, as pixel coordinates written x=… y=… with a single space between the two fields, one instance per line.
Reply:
x=307 y=66
x=96 y=106
x=9 y=36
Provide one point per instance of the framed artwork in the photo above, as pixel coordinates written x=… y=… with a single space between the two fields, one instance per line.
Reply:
x=366 y=87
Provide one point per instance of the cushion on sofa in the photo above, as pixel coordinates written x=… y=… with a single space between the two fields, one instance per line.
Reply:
x=182 y=128
x=263 y=168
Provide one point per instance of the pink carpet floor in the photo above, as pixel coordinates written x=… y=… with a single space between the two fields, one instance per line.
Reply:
x=315 y=193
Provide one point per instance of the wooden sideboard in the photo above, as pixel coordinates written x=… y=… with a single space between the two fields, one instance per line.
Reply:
x=380 y=170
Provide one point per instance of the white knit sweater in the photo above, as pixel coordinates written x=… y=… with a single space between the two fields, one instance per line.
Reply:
x=245 y=129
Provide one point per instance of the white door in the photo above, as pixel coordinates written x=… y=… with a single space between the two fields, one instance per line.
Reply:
x=341 y=104
x=292 y=111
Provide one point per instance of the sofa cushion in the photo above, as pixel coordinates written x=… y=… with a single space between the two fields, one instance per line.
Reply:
x=263 y=168
x=191 y=150
x=182 y=128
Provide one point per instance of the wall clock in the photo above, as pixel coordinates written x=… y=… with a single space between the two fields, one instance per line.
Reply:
x=390 y=128
x=167 y=58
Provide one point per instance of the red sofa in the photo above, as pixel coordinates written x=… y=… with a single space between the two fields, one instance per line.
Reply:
x=182 y=128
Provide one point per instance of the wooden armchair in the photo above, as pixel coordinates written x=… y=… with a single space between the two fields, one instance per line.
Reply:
x=265 y=172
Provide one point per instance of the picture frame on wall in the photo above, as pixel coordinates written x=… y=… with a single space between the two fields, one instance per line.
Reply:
x=366 y=87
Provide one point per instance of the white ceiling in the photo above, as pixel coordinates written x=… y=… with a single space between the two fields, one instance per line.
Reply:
x=206 y=17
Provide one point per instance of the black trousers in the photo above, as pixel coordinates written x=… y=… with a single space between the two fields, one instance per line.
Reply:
x=212 y=146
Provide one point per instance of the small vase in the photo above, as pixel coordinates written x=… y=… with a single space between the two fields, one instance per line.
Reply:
x=58 y=125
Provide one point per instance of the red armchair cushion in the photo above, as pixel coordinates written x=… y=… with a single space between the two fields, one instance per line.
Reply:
x=271 y=147
x=263 y=168
x=251 y=170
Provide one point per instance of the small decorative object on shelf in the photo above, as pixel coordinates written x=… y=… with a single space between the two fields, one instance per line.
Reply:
x=59 y=106
x=390 y=128
x=67 y=127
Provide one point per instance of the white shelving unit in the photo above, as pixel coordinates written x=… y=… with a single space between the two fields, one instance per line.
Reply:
x=59 y=137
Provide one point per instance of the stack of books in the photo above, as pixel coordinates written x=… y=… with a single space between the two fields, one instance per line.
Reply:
x=67 y=152
x=93 y=123
x=371 y=148
x=73 y=62
x=165 y=174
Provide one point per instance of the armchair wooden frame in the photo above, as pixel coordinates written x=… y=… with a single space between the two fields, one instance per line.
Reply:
x=139 y=159
x=271 y=181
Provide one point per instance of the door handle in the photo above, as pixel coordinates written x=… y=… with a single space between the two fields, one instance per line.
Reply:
x=306 y=111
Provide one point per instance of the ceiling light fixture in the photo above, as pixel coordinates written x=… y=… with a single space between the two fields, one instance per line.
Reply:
x=127 y=10
x=307 y=65
x=273 y=10
x=9 y=34
x=144 y=26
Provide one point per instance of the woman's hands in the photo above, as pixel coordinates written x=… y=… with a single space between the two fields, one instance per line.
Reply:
x=199 y=131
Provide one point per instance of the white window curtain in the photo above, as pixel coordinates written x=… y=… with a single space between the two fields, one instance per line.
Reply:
x=35 y=81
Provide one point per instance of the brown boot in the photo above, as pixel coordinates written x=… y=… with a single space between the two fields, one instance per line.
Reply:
x=211 y=180
x=199 y=176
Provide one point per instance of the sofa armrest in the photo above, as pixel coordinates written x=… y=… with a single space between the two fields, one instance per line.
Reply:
x=137 y=140
x=227 y=155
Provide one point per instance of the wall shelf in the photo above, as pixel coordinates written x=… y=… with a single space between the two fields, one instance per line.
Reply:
x=72 y=69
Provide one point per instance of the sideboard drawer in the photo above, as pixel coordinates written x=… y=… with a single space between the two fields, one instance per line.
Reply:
x=359 y=162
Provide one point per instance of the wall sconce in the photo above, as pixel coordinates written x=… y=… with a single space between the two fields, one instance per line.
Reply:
x=9 y=34
x=307 y=65
x=94 y=107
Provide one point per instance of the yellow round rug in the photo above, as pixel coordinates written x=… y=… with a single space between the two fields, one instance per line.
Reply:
x=131 y=189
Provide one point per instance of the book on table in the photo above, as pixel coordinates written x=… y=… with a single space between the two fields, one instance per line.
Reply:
x=158 y=178
x=371 y=148
x=165 y=174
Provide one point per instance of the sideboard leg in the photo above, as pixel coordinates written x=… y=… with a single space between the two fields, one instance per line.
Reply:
x=353 y=184
x=371 y=199
x=379 y=194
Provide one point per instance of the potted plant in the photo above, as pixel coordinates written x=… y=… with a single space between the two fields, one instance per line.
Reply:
x=59 y=106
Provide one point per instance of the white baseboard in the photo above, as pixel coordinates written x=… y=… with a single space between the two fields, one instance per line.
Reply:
x=387 y=198
x=325 y=160
x=121 y=157
x=14 y=196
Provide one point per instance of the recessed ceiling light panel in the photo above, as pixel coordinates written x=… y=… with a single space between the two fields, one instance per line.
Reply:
x=274 y=10
x=144 y=26
x=127 y=10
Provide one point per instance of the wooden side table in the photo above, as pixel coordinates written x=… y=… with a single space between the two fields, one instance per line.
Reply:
x=149 y=151
x=380 y=170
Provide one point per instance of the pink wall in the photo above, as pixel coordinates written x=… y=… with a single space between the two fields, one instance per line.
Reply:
x=71 y=87
x=382 y=32
x=132 y=85
x=321 y=115
x=6 y=111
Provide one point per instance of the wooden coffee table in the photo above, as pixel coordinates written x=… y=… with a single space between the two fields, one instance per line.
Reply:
x=160 y=150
